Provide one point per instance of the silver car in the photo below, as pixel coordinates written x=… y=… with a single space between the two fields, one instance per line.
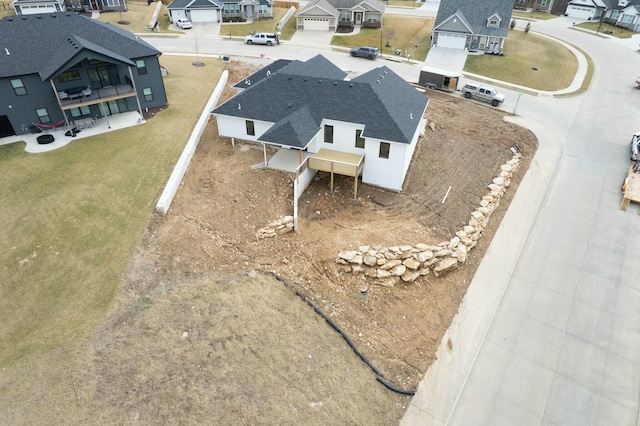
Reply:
x=262 y=38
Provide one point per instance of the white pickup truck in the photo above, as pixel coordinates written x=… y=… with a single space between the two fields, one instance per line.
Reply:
x=482 y=92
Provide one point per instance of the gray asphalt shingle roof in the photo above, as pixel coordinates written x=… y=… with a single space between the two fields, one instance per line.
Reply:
x=476 y=14
x=389 y=107
x=41 y=44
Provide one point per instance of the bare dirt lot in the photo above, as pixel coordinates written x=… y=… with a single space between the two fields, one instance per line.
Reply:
x=202 y=334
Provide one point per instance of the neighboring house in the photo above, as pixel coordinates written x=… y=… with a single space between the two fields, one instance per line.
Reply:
x=586 y=9
x=475 y=26
x=220 y=10
x=539 y=5
x=309 y=106
x=624 y=13
x=33 y=7
x=329 y=15
x=61 y=67
x=98 y=5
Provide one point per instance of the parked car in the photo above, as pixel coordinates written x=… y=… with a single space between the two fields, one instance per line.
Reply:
x=365 y=52
x=185 y=24
x=262 y=38
x=482 y=92
x=635 y=146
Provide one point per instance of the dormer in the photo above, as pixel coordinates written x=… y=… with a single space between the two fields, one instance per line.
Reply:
x=494 y=20
x=623 y=3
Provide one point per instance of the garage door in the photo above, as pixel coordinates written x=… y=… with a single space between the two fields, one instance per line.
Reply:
x=33 y=10
x=204 y=16
x=579 y=12
x=316 y=24
x=452 y=41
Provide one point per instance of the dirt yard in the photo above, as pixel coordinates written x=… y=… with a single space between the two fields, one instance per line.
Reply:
x=202 y=334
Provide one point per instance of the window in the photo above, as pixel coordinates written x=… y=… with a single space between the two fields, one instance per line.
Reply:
x=384 y=149
x=142 y=67
x=543 y=3
x=251 y=130
x=80 y=112
x=372 y=19
x=492 y=23
x=262 y=9
x=627 y=18
x=231 y=8
x=148 y=94
x=615 y=14
x=69 y=76
x=345 y=16
x=43 y=115
x=359 y=139
x=18 y=87
x=328 y=134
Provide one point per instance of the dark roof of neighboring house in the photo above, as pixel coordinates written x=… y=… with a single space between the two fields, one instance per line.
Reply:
x=42 y=44
x=614 y=4
x=476 y=13
x=389 y=107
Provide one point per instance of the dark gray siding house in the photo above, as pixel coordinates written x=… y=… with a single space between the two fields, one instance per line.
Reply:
x=61 y=67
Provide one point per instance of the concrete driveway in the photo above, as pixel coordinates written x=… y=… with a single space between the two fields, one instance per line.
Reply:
x=448 y=59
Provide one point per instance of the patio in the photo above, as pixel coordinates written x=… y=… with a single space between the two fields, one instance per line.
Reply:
x=101 y=125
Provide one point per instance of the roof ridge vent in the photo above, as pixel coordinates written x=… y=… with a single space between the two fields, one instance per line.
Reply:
x=39 y=16
x=378 y=81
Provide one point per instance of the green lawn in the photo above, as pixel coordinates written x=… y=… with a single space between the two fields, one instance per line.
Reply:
x=556 y=65
x=607 y=29
x=407 y=34
x=72 y=218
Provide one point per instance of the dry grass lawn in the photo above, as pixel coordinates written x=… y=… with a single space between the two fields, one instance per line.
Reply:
x=411 y=35
x=555 y=65
x=72 y=222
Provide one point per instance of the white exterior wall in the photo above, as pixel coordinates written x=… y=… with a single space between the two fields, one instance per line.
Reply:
x=235 y=127
x=385 y=172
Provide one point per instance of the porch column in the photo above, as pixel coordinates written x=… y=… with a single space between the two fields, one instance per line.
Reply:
x=64 y=113
x=133 y=82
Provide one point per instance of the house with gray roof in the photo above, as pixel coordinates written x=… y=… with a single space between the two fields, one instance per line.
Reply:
x=220 y=10
x=328 y=15
x=623 y=13
x=63 y=67
x=474 y=26
x=309 y=106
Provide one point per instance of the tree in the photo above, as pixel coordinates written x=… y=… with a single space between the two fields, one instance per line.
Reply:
x=528 y=27
x=513 y=24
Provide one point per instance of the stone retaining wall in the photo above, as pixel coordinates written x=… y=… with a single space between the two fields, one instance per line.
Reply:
x=388 y=265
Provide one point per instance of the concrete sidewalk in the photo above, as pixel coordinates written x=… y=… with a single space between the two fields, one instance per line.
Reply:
x=549 y=330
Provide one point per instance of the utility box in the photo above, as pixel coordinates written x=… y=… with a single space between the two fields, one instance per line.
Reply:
x=435 y=78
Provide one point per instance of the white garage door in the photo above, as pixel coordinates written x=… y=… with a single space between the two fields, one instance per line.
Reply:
x=452 y=41
x=33 y=10
x=316 y=24
x=579 y=12
x=204 y=16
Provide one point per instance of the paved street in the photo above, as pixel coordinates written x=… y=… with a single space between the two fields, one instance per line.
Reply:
x=549 y=333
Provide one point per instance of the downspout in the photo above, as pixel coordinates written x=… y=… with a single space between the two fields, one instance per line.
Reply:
x=64 y=114
x=133 y=82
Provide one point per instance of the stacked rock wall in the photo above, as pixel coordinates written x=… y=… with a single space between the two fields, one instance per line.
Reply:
x=406 y=262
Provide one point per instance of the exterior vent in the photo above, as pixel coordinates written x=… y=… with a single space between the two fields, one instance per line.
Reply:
x=7 y=51
x=239 y=106
x=290 y=105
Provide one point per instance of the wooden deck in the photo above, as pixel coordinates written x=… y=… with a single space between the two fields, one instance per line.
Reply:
x=343 y=163
x=631 y=189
